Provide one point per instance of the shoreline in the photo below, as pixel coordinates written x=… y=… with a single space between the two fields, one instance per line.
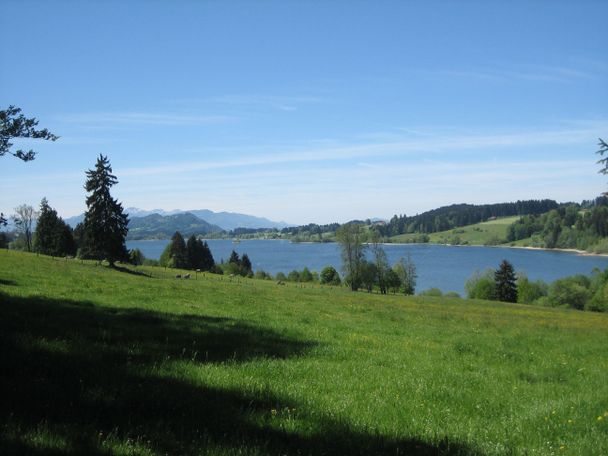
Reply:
x=575 y=251
x=572 y=251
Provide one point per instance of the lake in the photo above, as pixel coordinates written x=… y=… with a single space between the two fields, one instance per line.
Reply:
x=444 y=267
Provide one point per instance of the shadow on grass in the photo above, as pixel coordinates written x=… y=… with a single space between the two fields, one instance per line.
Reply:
x=8 y=282
x=130 y=271
x=78 y=378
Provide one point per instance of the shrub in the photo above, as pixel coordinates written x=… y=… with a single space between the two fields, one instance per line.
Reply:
x=481 y=285
x=216 y=270
x=232 y=268
x=495 y=240
x=422 y=239
x=435 y=292
x=543 y=301
x=329 y=276
x=600 y=247
x=293 y=276
x=599 y=301
x=451 y=294
x=280 y=277
x=570 y=292
x=306 y=275
x=528 y=291
x=262 y=275
x=136 y=257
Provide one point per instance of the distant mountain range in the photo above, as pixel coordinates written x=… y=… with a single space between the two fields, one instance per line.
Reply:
x=157 y=223
x=156 y=226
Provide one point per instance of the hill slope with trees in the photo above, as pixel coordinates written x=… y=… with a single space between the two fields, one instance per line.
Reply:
x=573 y=226
x=457 y=215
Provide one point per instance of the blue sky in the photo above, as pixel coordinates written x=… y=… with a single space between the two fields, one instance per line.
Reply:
x=308 y=111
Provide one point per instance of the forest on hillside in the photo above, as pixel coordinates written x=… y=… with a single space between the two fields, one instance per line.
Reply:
x=573 y=226
x=457 y=215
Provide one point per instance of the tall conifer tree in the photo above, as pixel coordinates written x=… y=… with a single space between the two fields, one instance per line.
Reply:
x=199 y=254
x=105 y=223
x=178 y=253
x=208 y=261
x=44 y=239
x=246 y=267
x=505 y=280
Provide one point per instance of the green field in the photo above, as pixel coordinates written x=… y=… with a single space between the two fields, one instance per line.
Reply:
x=493 y=232
x=102 y=361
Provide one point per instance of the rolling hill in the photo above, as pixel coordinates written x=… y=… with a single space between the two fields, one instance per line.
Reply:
x=492 y=232
x=133 y=361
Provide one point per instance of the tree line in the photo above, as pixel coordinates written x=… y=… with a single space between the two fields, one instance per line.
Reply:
x=566 y=227
x=578 y=292
x=193 y=254
x=362 y=273
x=457 y=215
x=101 y=236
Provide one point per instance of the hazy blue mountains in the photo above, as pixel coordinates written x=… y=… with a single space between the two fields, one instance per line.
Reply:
x=161 y=224
x=231 y=220
x=156 y=226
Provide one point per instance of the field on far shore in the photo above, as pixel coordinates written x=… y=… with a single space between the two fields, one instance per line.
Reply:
x=134 y=361
x=493 y=232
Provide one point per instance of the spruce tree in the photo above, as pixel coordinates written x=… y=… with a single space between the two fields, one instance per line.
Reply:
x=234 y=264
x=45 y=239
x=105 y=223
x=194 y=252
x=199 y=255
x=208 y=261
x=246 y=267
x=505 y=282
x=53 y=236
x=234 y=258
x=65 y=243
x=178 y=254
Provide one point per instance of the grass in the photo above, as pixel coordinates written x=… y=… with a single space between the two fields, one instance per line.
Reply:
x=491 y=232
x=100 y=361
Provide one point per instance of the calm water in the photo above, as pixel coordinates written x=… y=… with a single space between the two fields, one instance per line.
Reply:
x=444 y=267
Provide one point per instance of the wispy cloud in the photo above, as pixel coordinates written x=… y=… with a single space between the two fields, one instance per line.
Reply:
x=277 y=102
x=383 y=189
x=533 y=73
x=141 y=118
x=441 y=166
x=429 y=146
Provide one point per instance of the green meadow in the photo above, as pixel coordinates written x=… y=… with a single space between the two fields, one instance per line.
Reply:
x=134 y=361
x=491 y=232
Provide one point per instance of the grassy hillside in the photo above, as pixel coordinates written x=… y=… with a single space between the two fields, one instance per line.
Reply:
x=492 y=232
x=101 y=361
